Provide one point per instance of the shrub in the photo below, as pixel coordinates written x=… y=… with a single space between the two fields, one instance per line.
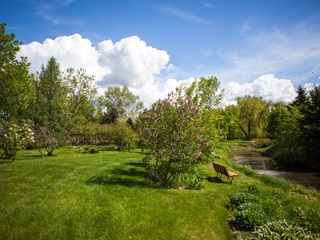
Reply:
x=241 y=198
x=282 y=230
x=14 y=137
x=87 y=149
x=123 y=136
x=250 y=215
x=44 y=139
x=172 y=136
x=192 y=179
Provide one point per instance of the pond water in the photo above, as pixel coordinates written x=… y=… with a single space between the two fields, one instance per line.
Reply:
x=265 y=165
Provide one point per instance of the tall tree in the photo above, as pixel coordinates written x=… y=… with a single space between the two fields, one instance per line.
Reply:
x=16 y=91
x=81 y=93
x=252 y=116
x=119 y=103
x=310 y=127
x=206 y=92
x=51 y=104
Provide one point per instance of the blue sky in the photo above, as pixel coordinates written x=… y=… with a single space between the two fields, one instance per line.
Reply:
x=265 y=48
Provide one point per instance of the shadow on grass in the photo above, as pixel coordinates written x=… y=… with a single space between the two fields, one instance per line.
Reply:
x=215 y=180
x=132 y=177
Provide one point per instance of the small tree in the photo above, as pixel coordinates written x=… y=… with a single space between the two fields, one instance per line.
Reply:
x=172 y=136
x=123 y=136
x=14 y=137
x=44 y=141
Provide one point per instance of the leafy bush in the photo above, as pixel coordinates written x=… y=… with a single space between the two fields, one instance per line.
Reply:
x=284 y=231
x=87 y=149
x=14 y=137
x=250 y=215
x=172 y=136
x=241 y=198
x=191 y=180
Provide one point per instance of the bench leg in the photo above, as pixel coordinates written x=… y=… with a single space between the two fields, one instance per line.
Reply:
x=230 y=179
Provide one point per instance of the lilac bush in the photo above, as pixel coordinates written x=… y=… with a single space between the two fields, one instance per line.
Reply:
x=44 y=140
x=172 y=137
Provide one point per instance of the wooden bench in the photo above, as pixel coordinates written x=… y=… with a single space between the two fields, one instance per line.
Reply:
x=222 y=169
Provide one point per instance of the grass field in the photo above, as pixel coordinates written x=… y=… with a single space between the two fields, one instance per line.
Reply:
x=107 y=195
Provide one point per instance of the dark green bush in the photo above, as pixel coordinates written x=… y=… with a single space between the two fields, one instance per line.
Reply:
x=241 y=198
x=250 y=215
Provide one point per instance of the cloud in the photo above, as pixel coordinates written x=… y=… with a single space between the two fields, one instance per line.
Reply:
x=293 y=53
x=267 y=86
x=70 y=51
x=127 y=62
x=131 y=62
x=144 y=69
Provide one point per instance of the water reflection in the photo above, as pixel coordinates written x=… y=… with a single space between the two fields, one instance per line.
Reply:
x=265 y=165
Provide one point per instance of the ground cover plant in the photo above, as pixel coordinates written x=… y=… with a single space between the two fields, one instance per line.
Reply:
x=109 y=195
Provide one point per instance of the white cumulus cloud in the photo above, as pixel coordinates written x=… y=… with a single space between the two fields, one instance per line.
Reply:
x=130 y=62
x=127 y=62
x=70 y=51
x=142 y=68
x=267 y=86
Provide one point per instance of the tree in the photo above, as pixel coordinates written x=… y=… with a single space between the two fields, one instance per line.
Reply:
x=252 y=118
x=16 y=91
x=119 y=103
x=123 y=136
x=230 y=115
x=81 y=96
x=172 y=136
x=205 y=92
x=50 y=108
x=310 y=127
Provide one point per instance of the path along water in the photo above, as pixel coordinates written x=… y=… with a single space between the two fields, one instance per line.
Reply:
x=265 y=165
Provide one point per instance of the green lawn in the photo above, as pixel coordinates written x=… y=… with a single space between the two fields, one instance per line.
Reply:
x=106 y=196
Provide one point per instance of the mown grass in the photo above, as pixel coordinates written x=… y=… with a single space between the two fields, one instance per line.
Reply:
x=108 y=195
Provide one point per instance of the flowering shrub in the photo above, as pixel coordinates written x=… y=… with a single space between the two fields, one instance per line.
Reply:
x=172 y=136
x=14 y=137
x=44 y=140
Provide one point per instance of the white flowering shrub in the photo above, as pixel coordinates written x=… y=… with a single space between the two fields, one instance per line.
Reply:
x=14 y=137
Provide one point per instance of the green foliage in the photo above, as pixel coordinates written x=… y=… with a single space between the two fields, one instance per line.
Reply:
x=50 y=107
x=123 y=136
x=15 y=137
x=284 y=231
x=255 y=208
x=120 y=103
x=193 y=179
x=295 y=130
x=81 y=95
x=205 y=92
x=88 y=149
x=16 y=90
x=251 y=116
x=172 y=136
x=250 y=215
